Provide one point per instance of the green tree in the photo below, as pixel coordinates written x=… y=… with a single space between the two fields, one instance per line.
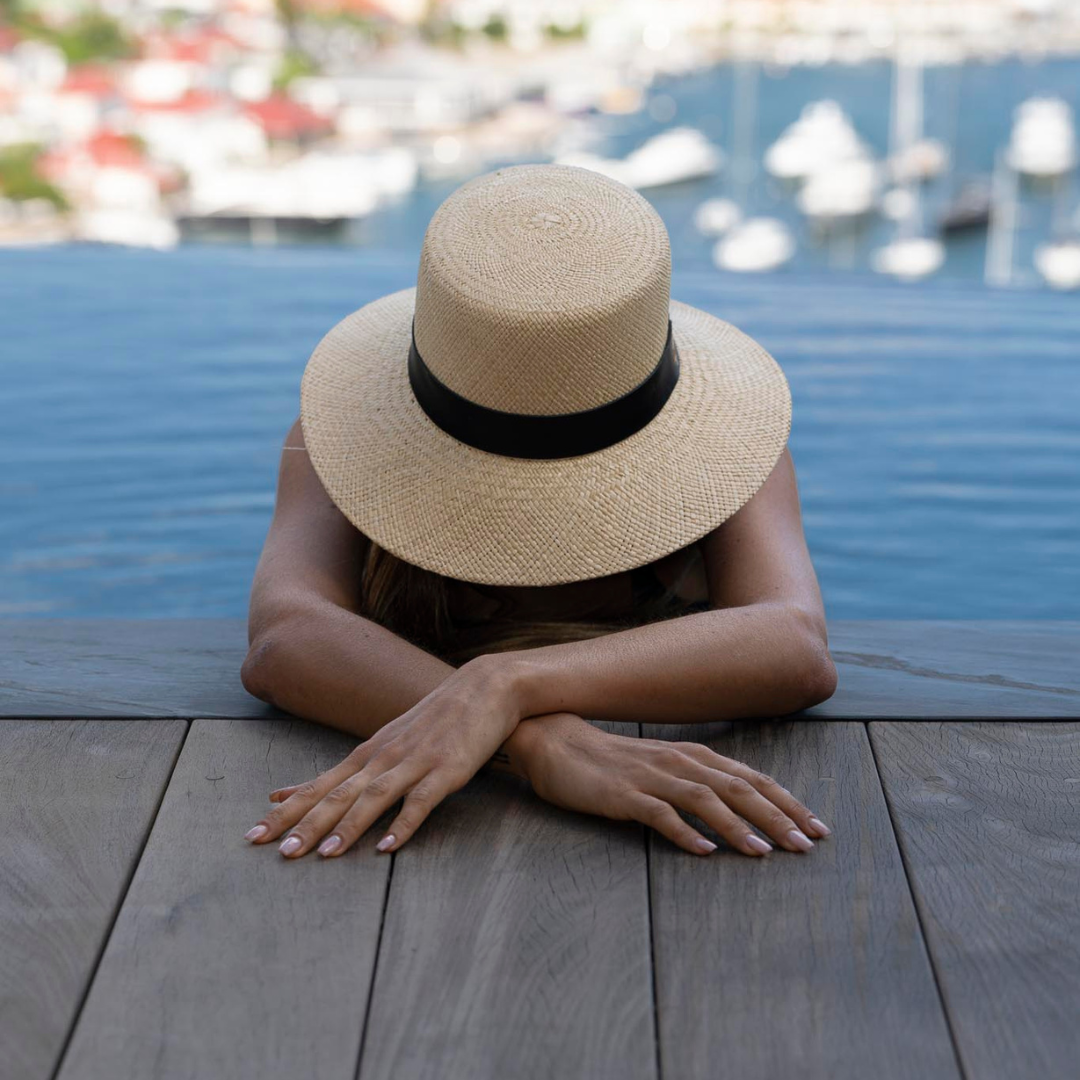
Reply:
x=19 y=178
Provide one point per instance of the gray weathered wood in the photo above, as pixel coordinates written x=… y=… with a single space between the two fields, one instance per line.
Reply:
x=989 y=822
x=954 y=670
x=809 y=965
x=191 y=667
x=516 y=945
x=77 y=799
x=228 y=960
x=125 y=667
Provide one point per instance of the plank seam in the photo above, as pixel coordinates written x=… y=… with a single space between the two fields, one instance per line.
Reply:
x=648 y=841
x=915 y=903
x=107 y=936
x=374 y=968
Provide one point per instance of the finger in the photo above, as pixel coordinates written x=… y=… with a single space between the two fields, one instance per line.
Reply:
x=701 y=800
x=378 y=795
x=418 y=804
x=324 y=815
x=283 y=793
x=745 y=800
x=766 y=785
x=781 y=797
x=662 y=817
x=291 y=809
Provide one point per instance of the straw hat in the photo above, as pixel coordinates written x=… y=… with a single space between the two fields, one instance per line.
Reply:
x=537 y=410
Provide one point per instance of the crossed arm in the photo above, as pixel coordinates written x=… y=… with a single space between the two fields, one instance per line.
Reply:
x=760 y=650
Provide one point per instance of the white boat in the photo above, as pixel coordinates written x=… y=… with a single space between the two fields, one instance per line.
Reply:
x=911 y=255
x=1043 y=141
x=672 y=157
x=128 y=228
x=755 y=246
x=714 y=217
x=910 y=259
x=316 y=186
x=846 y=189
x=1059 y=263
x=821 y=137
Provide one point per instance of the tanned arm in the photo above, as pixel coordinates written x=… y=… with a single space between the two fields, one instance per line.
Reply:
x=761 y=651
x=310 y=653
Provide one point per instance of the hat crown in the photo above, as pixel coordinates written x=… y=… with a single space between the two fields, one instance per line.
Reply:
x=543 y=289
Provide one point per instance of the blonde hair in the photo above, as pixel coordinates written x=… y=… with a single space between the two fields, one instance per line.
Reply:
x=416 y=604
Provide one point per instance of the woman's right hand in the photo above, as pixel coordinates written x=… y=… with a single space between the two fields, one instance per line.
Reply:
x=578 y=766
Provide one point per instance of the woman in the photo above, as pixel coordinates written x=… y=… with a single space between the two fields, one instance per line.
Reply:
x=500 y=513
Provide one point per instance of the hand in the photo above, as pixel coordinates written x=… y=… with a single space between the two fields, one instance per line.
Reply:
x=577 y=766
x=423 y=756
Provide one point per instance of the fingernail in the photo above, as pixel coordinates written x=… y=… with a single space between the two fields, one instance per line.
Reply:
x=820 y=826
x=800 y=840
x=386 y=842
x=703 y=845
x=254 y=834
x=293 y=843
x=755 y=843
x=330 y=845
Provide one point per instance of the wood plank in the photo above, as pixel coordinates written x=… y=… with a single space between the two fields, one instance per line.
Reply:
x=191 y=667
x=808 y=965
x=516 y=945
x=226 y=959
x=125 y=667
x=989 y=822
x=77 y=799
x=922 y=669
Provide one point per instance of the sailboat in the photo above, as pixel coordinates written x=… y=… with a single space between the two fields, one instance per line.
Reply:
x=1058 y=260
x=1043 y=142
x=759 y=243
x=669 y=157
x=911 y=255
x=1059 y=263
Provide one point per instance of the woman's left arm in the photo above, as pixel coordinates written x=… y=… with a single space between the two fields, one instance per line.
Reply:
x=761 y=650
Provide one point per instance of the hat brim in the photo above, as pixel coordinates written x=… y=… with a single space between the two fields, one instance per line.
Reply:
x=440 y=504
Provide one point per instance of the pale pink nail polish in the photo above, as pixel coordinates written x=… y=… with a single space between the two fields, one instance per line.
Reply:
x=704 y=845
x=755 y=843
x=254 y=834
x=800 y=840
x=288 y=846
x=820 y=826
x=330 y=845
x=385 y=842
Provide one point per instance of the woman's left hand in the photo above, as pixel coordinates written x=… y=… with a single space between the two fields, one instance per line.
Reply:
x=423 y=755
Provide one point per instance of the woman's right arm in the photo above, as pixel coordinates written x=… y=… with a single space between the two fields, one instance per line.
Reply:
x=310 y=653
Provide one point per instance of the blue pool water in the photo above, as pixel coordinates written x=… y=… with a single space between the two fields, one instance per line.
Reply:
x=936 y=429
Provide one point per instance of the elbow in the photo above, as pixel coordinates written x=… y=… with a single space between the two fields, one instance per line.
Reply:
x=812 y=672
x=261 y=667
x=817 y=680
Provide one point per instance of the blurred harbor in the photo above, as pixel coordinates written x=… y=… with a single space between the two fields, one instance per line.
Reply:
x=905 y=139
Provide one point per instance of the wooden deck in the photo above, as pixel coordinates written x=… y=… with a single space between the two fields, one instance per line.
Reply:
x=935 y=934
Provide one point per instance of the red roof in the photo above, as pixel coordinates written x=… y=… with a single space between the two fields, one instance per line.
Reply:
x=282 y=118
x=355 y=7
x=89 y=79
x=108 y=148
x=199 y=46
x=193 y=101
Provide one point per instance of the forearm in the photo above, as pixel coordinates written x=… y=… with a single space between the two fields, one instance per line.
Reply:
x=759 y=660
x=327 y=664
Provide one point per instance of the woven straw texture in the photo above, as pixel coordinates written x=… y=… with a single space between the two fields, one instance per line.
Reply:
x=542 y=289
